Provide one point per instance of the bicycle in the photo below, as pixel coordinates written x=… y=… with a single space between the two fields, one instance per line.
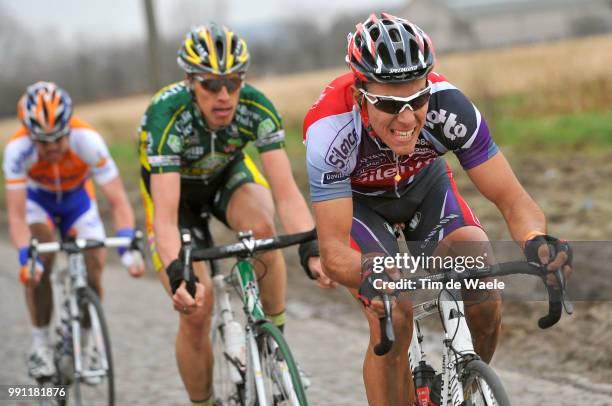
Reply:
x=465 y=379
x=78 y=305
x=253 y=364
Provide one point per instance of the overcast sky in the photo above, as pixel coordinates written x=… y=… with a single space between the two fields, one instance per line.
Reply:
x=124 y=18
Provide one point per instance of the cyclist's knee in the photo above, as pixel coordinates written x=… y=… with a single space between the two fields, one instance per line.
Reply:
x=196 y=326
x=262 y=227
x=485 y=316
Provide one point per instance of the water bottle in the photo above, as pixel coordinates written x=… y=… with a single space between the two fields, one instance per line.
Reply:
x=423 y=376
x=436 y=391
x=235 y=346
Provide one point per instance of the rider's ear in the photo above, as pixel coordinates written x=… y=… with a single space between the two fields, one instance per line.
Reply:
x=357 y=96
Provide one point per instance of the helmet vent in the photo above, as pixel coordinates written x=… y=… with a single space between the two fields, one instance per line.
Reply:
x=219 y=46
x=395 y=35
x=414 y=52
x=400 y=56
x=368 y=58
x=383 y=53
x=375 y=33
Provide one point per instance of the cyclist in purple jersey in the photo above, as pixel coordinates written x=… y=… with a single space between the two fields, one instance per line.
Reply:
x=374 y=143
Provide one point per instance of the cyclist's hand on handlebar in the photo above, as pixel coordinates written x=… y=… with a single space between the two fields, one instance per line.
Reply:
x=553 y=253
x=131 y=258
x=316 y=270
x=372 y=283
x=184 y=303
x=133 y=262
x=25 y=275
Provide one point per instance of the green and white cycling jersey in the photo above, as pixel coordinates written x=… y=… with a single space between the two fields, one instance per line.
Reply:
x=174 y=136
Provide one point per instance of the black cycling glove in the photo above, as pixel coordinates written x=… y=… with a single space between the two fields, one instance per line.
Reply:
x=554 y=247
x=307 y=250
x=367 y=292
x=175 y=275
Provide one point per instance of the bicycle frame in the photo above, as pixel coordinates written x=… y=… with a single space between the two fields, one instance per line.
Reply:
x=458 y=348
x=244 y=277
x=70 y=283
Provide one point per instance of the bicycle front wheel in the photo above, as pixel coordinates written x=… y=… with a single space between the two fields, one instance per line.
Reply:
x=95 y=384
x=482 y=386
x=282 y=383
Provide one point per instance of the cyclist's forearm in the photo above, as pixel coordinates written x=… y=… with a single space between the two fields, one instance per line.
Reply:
x=523 y=216
x=19 y=231
x=294 y=214
x=123 y=216
x=167 y=242
x=341 y=263
x=16 y=210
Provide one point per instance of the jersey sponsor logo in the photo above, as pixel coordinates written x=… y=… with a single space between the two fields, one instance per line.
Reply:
x=169 y=91
x=164 y=160
x=333 y=177
x=341 y=148
x=265 y=128
x=452 y=129
x=194 y=152
x=273 y=138
x=174 y=142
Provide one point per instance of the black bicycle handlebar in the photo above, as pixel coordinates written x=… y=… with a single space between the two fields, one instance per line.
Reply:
x=387 y=336
x=248 y=246
x=557 y=298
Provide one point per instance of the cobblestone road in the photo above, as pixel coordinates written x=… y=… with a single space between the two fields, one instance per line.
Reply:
x=328 y=340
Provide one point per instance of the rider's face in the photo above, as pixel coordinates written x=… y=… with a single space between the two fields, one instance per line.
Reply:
x=52 y=152
x=218 y=105
x=398 y=131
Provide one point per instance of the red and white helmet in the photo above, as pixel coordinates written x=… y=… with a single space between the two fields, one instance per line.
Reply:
x=389 y=49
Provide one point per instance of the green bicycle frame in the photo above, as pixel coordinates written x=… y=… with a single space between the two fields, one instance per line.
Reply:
x=249 y=289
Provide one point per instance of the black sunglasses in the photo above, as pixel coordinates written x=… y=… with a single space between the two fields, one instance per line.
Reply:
x=215 y=85
x=395 y=105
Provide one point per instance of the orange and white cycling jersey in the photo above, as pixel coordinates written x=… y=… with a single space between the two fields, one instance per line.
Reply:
x=87 y=156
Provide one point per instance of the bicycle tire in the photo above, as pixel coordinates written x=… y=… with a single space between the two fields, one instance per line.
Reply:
x=281 y=376
x=89 y=302
x=224 y=389
x=476 y=377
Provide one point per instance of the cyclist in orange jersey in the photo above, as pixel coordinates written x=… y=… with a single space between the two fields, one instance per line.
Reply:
x=47 y=167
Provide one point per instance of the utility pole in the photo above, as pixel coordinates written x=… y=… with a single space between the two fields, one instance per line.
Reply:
x=153 y=41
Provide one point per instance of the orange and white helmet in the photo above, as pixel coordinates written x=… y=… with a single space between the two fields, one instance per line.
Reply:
x=45 y=110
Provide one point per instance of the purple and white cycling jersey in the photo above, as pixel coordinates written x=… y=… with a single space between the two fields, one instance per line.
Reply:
x=342 y=158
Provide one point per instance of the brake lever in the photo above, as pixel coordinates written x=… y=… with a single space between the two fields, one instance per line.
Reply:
x=567 y=304
x=557 y=300
x=387 y=337
x=186 y=247
x=137 y=243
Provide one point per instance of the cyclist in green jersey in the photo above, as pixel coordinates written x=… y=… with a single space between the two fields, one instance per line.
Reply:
x=192 y=136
